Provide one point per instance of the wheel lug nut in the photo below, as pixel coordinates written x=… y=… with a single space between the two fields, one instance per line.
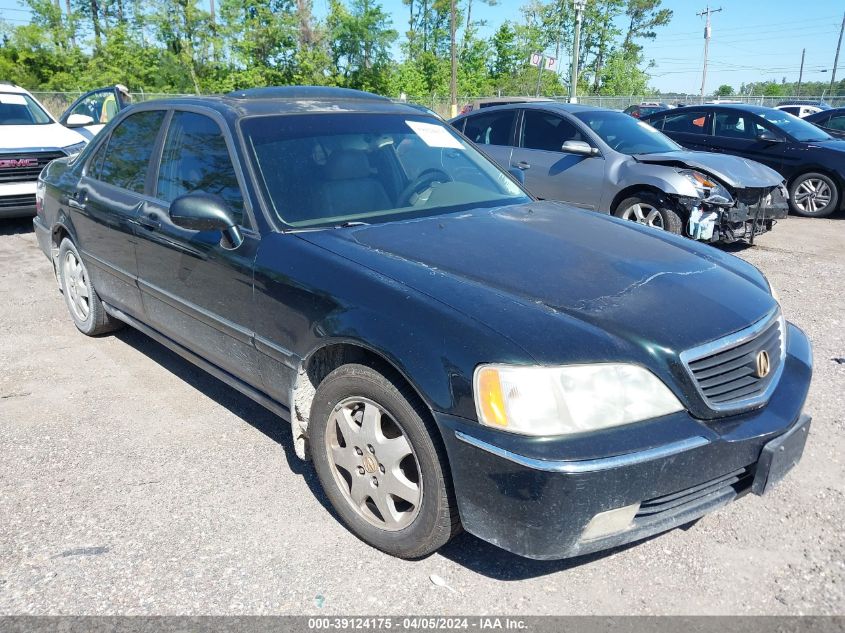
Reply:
x=381 y=467
x=370 y=448
x=359 y=451
x=375 y=482
x=360 y=470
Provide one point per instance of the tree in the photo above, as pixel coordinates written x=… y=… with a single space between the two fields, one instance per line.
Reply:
x=360 y=39
x=724 y=91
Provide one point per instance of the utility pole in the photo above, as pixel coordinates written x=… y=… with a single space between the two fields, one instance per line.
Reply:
x=580 y=5
x=800 y=73
x=836 y=58
x=453 y=84
x=707 y=11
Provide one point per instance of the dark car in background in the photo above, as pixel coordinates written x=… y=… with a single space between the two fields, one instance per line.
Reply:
x=811 y=160
x=638 y=111
x=831 y=121
x=450 y=350
x=604 y=160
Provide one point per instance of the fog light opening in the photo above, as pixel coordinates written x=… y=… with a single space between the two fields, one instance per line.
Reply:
x=610 y=522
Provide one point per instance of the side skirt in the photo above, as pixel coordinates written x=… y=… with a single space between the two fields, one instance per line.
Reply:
x=258 y=396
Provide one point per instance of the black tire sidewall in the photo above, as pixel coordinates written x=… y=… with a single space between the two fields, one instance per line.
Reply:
x=834 y=198
x=672 y=222
x=87 y=326
x=430 y=528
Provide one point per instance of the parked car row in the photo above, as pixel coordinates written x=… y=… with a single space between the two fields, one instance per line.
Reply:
x=449 y=350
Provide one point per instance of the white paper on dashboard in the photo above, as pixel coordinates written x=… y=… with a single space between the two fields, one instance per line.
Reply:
x=434 y=135
x=12 y=99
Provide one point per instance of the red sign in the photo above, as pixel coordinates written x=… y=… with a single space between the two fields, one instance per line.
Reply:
x=12 y=163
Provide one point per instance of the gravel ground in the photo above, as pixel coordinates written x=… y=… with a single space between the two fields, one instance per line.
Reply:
x=133 y=483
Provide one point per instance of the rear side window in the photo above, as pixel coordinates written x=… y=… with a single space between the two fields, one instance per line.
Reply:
x=836 y=122
x=546 y=131
x=735 y=125
x=685 y=123
x=127 y=155
x=195 y=158
x=490 y=128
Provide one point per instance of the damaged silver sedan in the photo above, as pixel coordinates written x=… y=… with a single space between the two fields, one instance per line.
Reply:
x=606 y=161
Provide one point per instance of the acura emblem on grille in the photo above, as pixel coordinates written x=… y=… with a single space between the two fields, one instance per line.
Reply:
x=11 y=163
x=763 y=364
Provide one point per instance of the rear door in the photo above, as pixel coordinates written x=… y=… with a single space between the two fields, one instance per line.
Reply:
x=689 y=128
x=739 y=133
x=106 y=205
x=194 y=290
x=551 y=173
x=493 y=131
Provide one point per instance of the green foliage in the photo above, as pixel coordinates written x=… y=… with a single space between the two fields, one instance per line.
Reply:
x=724 y=91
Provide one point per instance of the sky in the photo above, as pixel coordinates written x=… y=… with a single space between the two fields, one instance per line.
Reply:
x=752 y=40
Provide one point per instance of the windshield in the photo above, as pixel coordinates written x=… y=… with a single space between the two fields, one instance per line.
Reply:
x=798 y=129
x=21 y=109
x=625 y=134
x=330 y=169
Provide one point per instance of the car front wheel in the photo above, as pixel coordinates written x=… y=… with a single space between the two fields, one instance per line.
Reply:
x=647 y=209
x=378 y=463
x=813 y=195
x=84 y=305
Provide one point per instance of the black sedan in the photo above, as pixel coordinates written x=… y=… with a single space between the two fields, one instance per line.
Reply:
x=811 y=161
x=831 y=121
x=448 y=350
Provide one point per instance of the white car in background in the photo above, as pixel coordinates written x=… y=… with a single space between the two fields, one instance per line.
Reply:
x=29 y=139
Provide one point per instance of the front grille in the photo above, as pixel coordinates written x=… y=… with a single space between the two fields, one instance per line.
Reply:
x=727 y=372
x=11 y=173
x=26 y=200
x=728 y=485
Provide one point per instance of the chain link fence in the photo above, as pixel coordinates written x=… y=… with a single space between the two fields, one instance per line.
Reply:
x=58 y=102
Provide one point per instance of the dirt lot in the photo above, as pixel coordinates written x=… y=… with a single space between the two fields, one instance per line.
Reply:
x=131 y=482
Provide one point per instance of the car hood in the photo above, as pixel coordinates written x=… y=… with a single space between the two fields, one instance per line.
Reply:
x=48 y=136
x=501 y=266
x=733 y=171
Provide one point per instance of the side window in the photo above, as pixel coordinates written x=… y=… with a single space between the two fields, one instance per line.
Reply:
x=195 y=158
x=546 y=131
x=736 y=125
x=685 y=122
x=95 y=163
x=836 y=122
x=130 y=146
x=490 y=128
x=100 y=106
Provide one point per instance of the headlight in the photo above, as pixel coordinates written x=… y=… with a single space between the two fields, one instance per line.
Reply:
x=572 y=399
x=708 y=188
x=72 y=150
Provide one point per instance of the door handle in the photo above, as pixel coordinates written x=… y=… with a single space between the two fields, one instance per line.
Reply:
x=523 y=165
x=77 y=201
x=150 y=222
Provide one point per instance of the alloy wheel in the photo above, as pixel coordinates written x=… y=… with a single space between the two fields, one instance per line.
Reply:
x=374 y=464
x=812 y=195
x=643 y=213
x=76 y=284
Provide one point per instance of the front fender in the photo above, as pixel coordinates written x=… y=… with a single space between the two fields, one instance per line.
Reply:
x=666 y=179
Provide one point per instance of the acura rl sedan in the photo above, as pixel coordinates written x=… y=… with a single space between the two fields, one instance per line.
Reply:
x=449 y=351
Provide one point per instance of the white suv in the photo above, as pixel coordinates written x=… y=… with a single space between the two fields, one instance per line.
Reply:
x=29 y=139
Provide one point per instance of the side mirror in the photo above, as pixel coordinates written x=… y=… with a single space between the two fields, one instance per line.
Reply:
x=768 y=136
x=206 y=212
x=579 y=147
x=79 y=120
x=517 y=173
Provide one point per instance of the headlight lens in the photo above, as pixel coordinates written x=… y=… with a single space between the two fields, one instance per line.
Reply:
x=572 y=399
x=72 y=150
x=708 y=188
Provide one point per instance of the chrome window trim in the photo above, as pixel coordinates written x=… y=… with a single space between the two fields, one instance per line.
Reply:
x=733 y=340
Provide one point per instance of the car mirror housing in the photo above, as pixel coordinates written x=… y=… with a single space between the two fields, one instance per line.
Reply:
x=518 y=174
x=79 y=120
x=769 y=137
x=206 y=212
x=579 y=147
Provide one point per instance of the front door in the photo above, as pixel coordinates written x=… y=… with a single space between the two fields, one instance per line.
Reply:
x=690 y=128
x=738 y=133
x=493 y=133
x=106 y=205
x=196 y=291
x=551 y=173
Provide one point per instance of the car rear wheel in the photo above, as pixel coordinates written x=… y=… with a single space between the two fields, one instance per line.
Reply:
x=375 y=456
x=648 y=210
x=82 y=300
x=813 y=195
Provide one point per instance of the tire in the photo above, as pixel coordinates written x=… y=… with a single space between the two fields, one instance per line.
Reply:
x=813 y=195
x=377 y=414
x=653 y=212
x=81 y=298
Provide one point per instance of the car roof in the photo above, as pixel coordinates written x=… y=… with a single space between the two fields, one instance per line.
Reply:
x=287 y=100
x=748 y=107
x=12 y=88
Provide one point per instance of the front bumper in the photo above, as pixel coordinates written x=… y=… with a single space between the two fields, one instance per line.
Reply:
x=17 y=199
x=536 y=496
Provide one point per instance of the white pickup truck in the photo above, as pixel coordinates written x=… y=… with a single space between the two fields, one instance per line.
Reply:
x=29 y=139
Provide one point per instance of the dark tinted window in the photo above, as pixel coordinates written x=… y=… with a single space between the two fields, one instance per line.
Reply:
x=735 y=125
x=195 y=158
x=96 y=162
x=129 y=149
x=685 y=122
x=546 y=131
x=836 y=122
x=490 y=128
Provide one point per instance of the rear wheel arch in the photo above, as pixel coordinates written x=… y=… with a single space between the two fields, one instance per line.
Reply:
x=320 y=362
